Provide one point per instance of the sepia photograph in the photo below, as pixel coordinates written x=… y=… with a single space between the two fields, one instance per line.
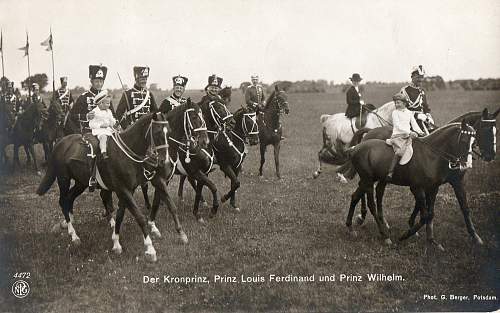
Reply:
x=249 y=156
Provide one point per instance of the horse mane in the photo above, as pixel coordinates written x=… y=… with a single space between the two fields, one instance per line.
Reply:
x=139 y=123
x=386 y=109
x=440 y=130
x=270 y=99
x=465 y=116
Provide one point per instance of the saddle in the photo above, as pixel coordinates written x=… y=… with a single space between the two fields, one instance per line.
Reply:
x=87 y=153
x=356 y=123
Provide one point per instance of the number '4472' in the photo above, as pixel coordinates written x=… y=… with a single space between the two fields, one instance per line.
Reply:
x=22 y=275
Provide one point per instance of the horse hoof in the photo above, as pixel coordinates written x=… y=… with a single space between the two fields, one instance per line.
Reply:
x=237 y=209
x=440 y=247
x=201 y=220
x=39 y=173
x=342 y=179
x=204 y=203
x=56 y=228
x=184 y=237
x=76 y=241
x=359 y=219
x=478 y=240
x=151 y=257
x=117 y=250
x=223 y=199
x=388 y=241
x=156 y=233
x=417 y=234
x=316 y=174
x=64 y=224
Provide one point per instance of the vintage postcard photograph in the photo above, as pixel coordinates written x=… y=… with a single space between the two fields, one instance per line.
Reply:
x=249 y=156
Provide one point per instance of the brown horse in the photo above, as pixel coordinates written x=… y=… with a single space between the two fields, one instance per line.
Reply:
x=52 y=128
x=433 y=164
x=483 y=122
x=140 y=153
x=268 y=119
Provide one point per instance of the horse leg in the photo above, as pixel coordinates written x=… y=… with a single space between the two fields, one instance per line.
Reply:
x=430 y=197
x=107 y=201
x=180 y=191
x=277 y=159
x=262 y=157
x=368 y=187
x=318 y=171
x=360 y=219
x=32 y=152
x=28 y=155
x=458 y=188
x=115 y=237
x=380 y=189
x=235 y=184
x=355 y=197
x=162 y=194
x=128 y=198
x=233 y=197
x=15 y=161
x=413 y=216
x=72 y=194
x=202 y=180
x=144 y=189
x=419 y=195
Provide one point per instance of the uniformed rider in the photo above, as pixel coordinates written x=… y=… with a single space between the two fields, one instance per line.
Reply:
x=9 y=103
x=254 y=95
x=80 y=112
x=417 y=100
x=176 y=98
x=64 y=95
x=136 y=101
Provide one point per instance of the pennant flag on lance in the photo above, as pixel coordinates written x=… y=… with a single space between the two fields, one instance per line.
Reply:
x=48 y=43
x=27 y=47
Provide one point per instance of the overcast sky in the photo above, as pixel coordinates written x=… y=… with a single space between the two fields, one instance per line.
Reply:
x=278 y=39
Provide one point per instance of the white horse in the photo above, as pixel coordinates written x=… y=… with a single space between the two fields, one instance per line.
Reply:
x=338 y=131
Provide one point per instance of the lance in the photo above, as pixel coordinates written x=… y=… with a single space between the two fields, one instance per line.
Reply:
x=126 y=98
x=29 y=71
x=51 y=45
x=1 y=51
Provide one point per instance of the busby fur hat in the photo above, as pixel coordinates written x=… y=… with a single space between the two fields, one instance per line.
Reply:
x=141 y=72
x=97 y=71
x=179 y=80
x=214 y=80
x=418 y=71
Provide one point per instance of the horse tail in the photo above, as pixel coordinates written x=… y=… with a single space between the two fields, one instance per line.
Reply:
x=324 y=117
x=358 y=136
x=48 y=179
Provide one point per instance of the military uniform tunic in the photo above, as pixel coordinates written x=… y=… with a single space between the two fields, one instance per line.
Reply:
x=83 y=105
x=254 y=96
x=64 y=96
x=416 y=98
x=139 y=100
x=171 y=102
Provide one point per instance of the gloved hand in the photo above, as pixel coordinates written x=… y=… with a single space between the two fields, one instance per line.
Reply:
x=429 y=118
x=422 y=117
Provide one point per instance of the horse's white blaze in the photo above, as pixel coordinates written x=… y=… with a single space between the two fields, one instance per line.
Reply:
x=469 y=155
x=72 y=232
x=495 y=139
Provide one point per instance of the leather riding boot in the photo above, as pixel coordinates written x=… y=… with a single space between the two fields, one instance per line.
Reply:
x=395 y=161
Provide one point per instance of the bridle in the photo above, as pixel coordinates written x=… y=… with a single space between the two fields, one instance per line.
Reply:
x=188 y=133
x=489 y=122
x=151 y=157
x=219 y=120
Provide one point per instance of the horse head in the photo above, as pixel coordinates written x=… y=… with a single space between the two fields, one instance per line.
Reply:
x=465 y=142
x=486 y=135
x=282 y=100
x=225 y=94
x=246 y=125
x=217 y=115
x=188 y=125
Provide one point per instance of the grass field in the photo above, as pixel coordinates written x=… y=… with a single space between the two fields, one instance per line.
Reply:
x=293 y=226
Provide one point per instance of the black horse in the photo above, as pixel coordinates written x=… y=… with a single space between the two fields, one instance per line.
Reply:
x=22 y=134
x=52 y=128
x=230 y=150
x=140 y=153
x=268 y=119
x=434 y=163
x=225 y=94
x=483 y=122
